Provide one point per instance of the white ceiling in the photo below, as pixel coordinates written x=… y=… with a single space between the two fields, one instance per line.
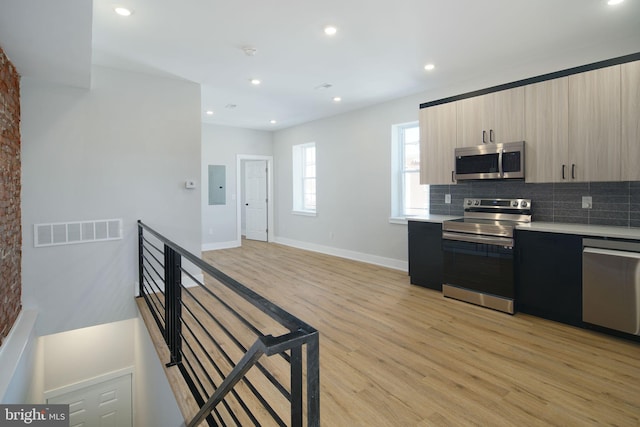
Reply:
x=377 y=55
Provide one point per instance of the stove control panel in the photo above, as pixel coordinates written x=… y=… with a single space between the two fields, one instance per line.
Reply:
x=503 y=205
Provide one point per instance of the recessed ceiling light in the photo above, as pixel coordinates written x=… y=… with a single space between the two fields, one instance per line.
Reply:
x=123 y=11
x=273 y=122
x=337 y=99
x=429 y=67
x=614 y=2
x=255 y=82
x=330 y=30
x=209 y=113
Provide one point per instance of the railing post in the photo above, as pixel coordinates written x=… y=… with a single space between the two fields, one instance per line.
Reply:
x=140 y=260
x=313 y=381
x=296 y=386
x=172 y=305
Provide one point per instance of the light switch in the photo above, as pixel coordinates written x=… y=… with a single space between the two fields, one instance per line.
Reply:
x=447 y=198
x=189 y=184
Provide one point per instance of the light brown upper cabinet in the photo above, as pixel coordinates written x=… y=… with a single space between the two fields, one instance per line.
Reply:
x=594 y=125
x=630 y=121
x=437 y=144
x=547 y=131
x=577 y=128
x=490 y=118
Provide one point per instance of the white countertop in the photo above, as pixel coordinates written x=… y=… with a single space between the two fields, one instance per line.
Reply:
x=433 y=218
x=583 y=229
x=553 y=227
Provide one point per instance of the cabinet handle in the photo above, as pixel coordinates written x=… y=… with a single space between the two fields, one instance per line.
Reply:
x=484 y=137
x=491 y=138
x=452 y=178
x=563 y=168
x=573 y=171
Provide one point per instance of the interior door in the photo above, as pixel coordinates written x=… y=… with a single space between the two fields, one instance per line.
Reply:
x=105 y=404
x=255 y=191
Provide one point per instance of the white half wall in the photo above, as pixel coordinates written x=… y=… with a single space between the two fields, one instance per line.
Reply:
x=122 y=149
x=21 y=370
x=220 y=146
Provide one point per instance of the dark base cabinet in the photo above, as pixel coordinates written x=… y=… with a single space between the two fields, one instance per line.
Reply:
x=549 y=275
x=425 y=254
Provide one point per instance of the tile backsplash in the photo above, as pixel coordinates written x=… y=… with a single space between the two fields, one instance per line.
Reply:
x=614 y=203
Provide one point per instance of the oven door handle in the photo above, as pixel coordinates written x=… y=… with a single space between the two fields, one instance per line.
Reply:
x=487 y=240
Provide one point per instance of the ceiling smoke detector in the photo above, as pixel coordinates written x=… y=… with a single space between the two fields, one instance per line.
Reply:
x=230 y=106
x=249 y=51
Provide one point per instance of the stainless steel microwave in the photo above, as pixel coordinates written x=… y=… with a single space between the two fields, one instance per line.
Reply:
x=490 y=161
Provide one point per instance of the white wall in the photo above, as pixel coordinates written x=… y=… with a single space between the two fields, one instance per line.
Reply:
x=120 y=150
x=353 y=167
x=154 y=402
x=73 y=359
x=76 y=356
x=220 y=146
x=353 y=152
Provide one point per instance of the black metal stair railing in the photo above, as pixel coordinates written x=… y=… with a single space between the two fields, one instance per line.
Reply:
x=241 y=356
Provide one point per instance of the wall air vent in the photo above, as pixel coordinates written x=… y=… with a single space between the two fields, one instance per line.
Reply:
x=67 y=233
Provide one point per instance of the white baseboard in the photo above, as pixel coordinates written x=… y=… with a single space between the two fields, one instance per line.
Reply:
x=220 y=245
x=345 y=253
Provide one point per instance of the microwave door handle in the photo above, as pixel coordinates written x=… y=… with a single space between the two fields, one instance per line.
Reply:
x=500 y=168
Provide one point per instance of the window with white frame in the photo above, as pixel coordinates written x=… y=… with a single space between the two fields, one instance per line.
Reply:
x=408 y=196
x=304 y=178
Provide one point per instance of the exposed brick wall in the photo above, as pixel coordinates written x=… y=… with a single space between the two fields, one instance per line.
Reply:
x=10 y=228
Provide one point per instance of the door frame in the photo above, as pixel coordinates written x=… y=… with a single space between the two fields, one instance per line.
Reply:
x=240 y=192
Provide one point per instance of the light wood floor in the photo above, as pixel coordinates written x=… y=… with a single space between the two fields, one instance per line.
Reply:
x=394 y=354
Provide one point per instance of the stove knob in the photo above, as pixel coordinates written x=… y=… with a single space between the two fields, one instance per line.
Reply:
x=524 y=204
x=514 y=203
x=469 y=201
x=476 y=202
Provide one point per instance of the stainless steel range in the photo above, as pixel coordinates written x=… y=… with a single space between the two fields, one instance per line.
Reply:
x=478 y=252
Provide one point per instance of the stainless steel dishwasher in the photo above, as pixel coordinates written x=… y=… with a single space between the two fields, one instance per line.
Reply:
x=611 y=284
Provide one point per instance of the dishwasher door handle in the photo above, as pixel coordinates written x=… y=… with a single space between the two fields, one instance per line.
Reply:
x=612 y=252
